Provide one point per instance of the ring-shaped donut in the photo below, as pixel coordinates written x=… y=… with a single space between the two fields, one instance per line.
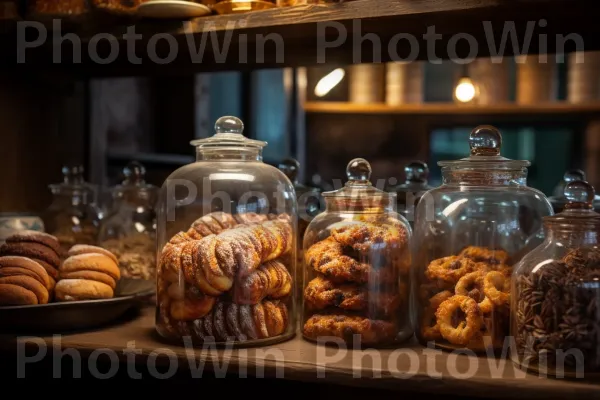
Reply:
x=466 y=329
x=472 y=285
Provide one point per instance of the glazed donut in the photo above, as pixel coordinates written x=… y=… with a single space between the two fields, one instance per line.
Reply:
x=450 y=269
x=485 y=255
x=466 y=329
x=496 y=287
x=372 y=332
x=472 y=285
x=429 y=327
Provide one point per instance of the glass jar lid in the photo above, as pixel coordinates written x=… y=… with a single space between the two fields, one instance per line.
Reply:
x=558 y=198
x=417 y=177
x=290 y=167
x=73 y=182
x=358 y=191
x=134 y=183
x=228 y=134
x=579 y=210
x=485 y=142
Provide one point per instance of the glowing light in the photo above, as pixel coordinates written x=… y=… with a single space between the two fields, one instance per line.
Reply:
x=465 y=90
x=329 y=81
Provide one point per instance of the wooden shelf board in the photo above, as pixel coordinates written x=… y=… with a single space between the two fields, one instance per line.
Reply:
x=296 y=359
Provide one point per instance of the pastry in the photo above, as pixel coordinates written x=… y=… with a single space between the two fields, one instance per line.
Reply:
x=22 y=266
x=35 y=237
x=272 y=279
x=81 y=289
x=191 y=305
x=350 y=328
x=14 y=295
x=23 y=281
x=89 y=249
x=29 y=283
x=37 y=246
x=91 y=262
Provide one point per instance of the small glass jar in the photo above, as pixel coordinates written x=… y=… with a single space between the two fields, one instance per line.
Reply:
x=558 y=199
x=357 y=266
x=409 y=192
x=129 y=230
x=556 y=293
x=468 y=234
x=226 y=234
x=73 y=217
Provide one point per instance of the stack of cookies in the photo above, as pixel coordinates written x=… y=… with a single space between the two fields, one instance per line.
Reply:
x=88 y=273
x=23 y=282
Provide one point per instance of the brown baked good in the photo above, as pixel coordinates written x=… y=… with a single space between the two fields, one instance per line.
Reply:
x=28 y=236
x=16 y=265
x=90 y=276
x=31 y=250
x=272 y=279
x=52 y=271
x=29 y=283
x=91 y=262
x=372 y=332
x=192 y=305
x=14 y=295
x=89 y=249
x=81 y=289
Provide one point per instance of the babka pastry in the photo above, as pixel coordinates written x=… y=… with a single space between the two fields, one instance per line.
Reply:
x=272 y=279
x=345 y=327
x=38 y=246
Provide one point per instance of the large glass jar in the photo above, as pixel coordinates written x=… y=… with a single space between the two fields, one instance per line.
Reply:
x=468 y=234
x=73 y=217
x=226 y=234
x=409 y=192
x=129 y=231
x=556 y=293
x=357 y=267
x=558 y=199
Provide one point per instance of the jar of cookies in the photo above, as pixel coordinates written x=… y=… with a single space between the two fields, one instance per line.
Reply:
x=129 y=231
x=73 y=216
x=357 y=267
x=226 y=234
x=468 y=234
x=556 y=293
x=409 y=192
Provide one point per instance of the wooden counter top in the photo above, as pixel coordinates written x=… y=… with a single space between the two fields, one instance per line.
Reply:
x=412 y=368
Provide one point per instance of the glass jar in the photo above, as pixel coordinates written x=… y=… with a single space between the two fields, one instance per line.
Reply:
x=409 y=192
x=73 y=217
x=357 y=266
x=468 y=234
x=556 y=293
x=226 y=229
x=558 y=199
x=129 y=231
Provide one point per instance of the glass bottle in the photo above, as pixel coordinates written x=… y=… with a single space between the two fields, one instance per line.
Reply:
x=357 y=266
x=409 y=192
x=558 y=199
x=73 y=217
x=226 y=234
x=129 y=231
x=556 y=293
x=468 y=234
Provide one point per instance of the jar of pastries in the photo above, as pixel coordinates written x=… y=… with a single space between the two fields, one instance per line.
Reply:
x=558 y=199
x=468 y=234
x=226 y=234
x=129 y=230
x=73 y=216
x=556 y=293
x=409 y=192
x=357 y=267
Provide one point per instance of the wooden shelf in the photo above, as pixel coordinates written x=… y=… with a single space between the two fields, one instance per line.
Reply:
x=295 y=36
x=296 y=359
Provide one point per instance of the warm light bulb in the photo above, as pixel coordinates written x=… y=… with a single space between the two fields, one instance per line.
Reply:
x=329 y=81
x=465 y=90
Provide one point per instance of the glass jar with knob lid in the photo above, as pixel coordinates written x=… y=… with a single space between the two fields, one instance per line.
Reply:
x=226 y=234
x=468 y=234
x=558 y=199
x=129 y=231
x=556 y=293
x=357 y=266
x=409 y=192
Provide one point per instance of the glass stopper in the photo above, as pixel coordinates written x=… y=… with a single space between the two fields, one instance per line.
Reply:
x=229 y=125
x=416 y=171
x=134 y=172
x=579 y=194
x=574 y=175
x=290 y=168
x=485 y=140
x=358 y=169
x=72 y=174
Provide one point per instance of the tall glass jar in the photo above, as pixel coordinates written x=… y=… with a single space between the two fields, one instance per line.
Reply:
x=468 y=234
x=129 y=231
x=357 y=266
x=73 y=217
x=558 y=199
x=556 y=293
x=409 y=192
x=226 y=234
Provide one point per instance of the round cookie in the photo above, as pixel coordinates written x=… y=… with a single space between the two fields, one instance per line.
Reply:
x=81 y=289
x=30 y=284
x=52 y=271
x=89 y=249
x=35 y=237
x=91 y=262
x=31 y=250
x=13 y=295
x=16 y=265
x=90 y=276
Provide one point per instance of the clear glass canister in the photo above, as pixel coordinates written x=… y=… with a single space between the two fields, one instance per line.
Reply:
x=226 y=234
x=129 y=231
x=468 y=234
x=73 y=217
x=357 y=267
x=556 y=293
x=558 y=199
x=409 y=192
